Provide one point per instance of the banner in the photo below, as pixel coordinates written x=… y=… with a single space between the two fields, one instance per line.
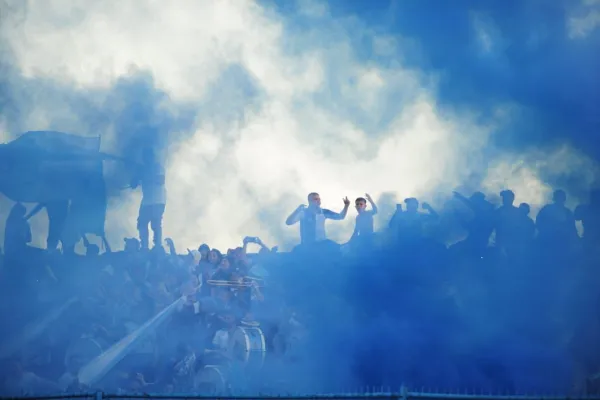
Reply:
x=46 y=166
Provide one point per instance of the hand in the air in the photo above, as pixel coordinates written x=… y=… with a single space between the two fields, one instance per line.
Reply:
x=346 y=201
x=368 y=197
x=169 y=241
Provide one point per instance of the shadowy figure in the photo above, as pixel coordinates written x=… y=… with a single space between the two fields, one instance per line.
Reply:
x=394 y=224
x=363 y=229
x=410 y=222
x=58 y=212
x=556 y=223
x=17 y=232
x=526 y=225
x=154 y=198
x=481 y=226
x=525 y=231
x=57 y=216
x=312 y=219
x=507 y=221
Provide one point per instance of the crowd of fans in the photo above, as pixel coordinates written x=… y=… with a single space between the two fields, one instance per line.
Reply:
x=398 y=271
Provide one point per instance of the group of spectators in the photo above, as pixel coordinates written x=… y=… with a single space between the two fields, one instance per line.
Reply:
x=116 y=292
x=103 y=297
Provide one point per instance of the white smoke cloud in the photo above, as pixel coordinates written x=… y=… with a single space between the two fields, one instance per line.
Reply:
x=320 y=117
x=584 y=20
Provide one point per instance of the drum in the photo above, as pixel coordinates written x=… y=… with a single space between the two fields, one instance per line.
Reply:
x=247 y=344
x=211 y=380
x=81 y=352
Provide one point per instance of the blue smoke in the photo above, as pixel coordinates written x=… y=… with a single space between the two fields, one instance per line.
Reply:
x=416 y=315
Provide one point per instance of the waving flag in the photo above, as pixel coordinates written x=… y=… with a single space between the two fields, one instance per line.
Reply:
x=44 y=166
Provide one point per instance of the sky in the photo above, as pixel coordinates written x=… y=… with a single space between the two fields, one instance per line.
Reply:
x=254 y=104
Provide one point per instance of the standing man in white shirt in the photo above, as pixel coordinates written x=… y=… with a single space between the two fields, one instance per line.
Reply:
x=312 y=219
x=154 y=198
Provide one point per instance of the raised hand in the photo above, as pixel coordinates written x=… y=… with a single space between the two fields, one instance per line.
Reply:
x=346 y=201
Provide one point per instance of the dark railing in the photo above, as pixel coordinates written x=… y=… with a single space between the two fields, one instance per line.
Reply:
x=401 y=395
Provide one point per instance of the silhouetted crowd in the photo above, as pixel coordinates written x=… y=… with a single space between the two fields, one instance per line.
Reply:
x=245 y=320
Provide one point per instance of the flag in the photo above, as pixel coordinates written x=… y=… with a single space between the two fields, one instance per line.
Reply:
x=58 y=143
x=44 y=166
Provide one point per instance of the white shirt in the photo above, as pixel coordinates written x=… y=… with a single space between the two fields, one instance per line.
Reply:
x=153 y=186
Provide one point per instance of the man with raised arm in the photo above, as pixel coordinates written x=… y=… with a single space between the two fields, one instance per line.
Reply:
x=364 y=219
x=312 y=219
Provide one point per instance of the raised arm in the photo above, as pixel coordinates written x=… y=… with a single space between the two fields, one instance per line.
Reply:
x=255 y=240
x=338 y=216
x=463 y=200
x=296 y=215
x=432 y=212
x=374 y=209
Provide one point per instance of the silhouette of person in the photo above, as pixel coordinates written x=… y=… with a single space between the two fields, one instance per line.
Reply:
x=312 y=219
x=154 y=198
x=411 y=221
x=481 y=226
x=526 y=224
x=507 y=220
x=17 y=232
x=364 y=219
x=524 y=234
x=57 y=216
x=58 y=212
x=555 y=222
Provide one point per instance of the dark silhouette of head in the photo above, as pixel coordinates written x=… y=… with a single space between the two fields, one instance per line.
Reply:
x=508 y=197
x=132 y=245
x=477 y=197
x=524 y=208
x=412 y=204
